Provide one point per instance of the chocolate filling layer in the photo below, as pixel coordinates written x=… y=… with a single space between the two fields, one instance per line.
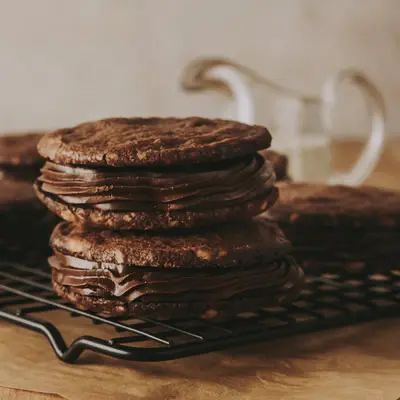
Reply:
x=167 y=189
x=280 y=278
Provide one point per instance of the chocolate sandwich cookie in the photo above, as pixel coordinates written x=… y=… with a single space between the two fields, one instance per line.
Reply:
x=25 y=224
x=208 y=272
x=156 y=173
x=304 y=204
x=340 y=227
x=19 y=158
x=279 y=162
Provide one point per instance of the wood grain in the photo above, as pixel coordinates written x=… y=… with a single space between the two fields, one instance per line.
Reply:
x=12 y=394
x=357 y=363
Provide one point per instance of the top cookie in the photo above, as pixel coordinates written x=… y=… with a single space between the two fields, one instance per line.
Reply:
x=319 y=204
x=153 y=141
x=20 y=150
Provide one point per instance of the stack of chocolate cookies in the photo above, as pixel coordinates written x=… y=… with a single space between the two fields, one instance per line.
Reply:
x=161 y=218
x=25 y=224
x=337 y=228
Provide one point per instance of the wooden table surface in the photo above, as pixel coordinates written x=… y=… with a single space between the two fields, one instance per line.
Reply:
x=359 y=362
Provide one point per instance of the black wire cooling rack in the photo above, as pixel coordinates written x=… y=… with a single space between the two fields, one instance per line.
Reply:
x=330 y=300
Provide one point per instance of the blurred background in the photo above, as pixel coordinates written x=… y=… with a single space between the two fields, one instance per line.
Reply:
x=64 y=62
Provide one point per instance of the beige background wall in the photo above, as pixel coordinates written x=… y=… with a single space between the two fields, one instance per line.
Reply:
x=66 y=61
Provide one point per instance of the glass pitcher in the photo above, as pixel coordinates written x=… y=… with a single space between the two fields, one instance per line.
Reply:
x=301 y=126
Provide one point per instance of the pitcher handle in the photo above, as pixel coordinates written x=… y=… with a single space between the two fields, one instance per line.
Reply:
x=240 y=90
x=375 y=145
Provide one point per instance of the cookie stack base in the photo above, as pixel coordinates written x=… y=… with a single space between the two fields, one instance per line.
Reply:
x=165 y=311
x=212 y=273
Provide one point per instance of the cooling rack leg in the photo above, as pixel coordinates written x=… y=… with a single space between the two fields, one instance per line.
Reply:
x=47 y=329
